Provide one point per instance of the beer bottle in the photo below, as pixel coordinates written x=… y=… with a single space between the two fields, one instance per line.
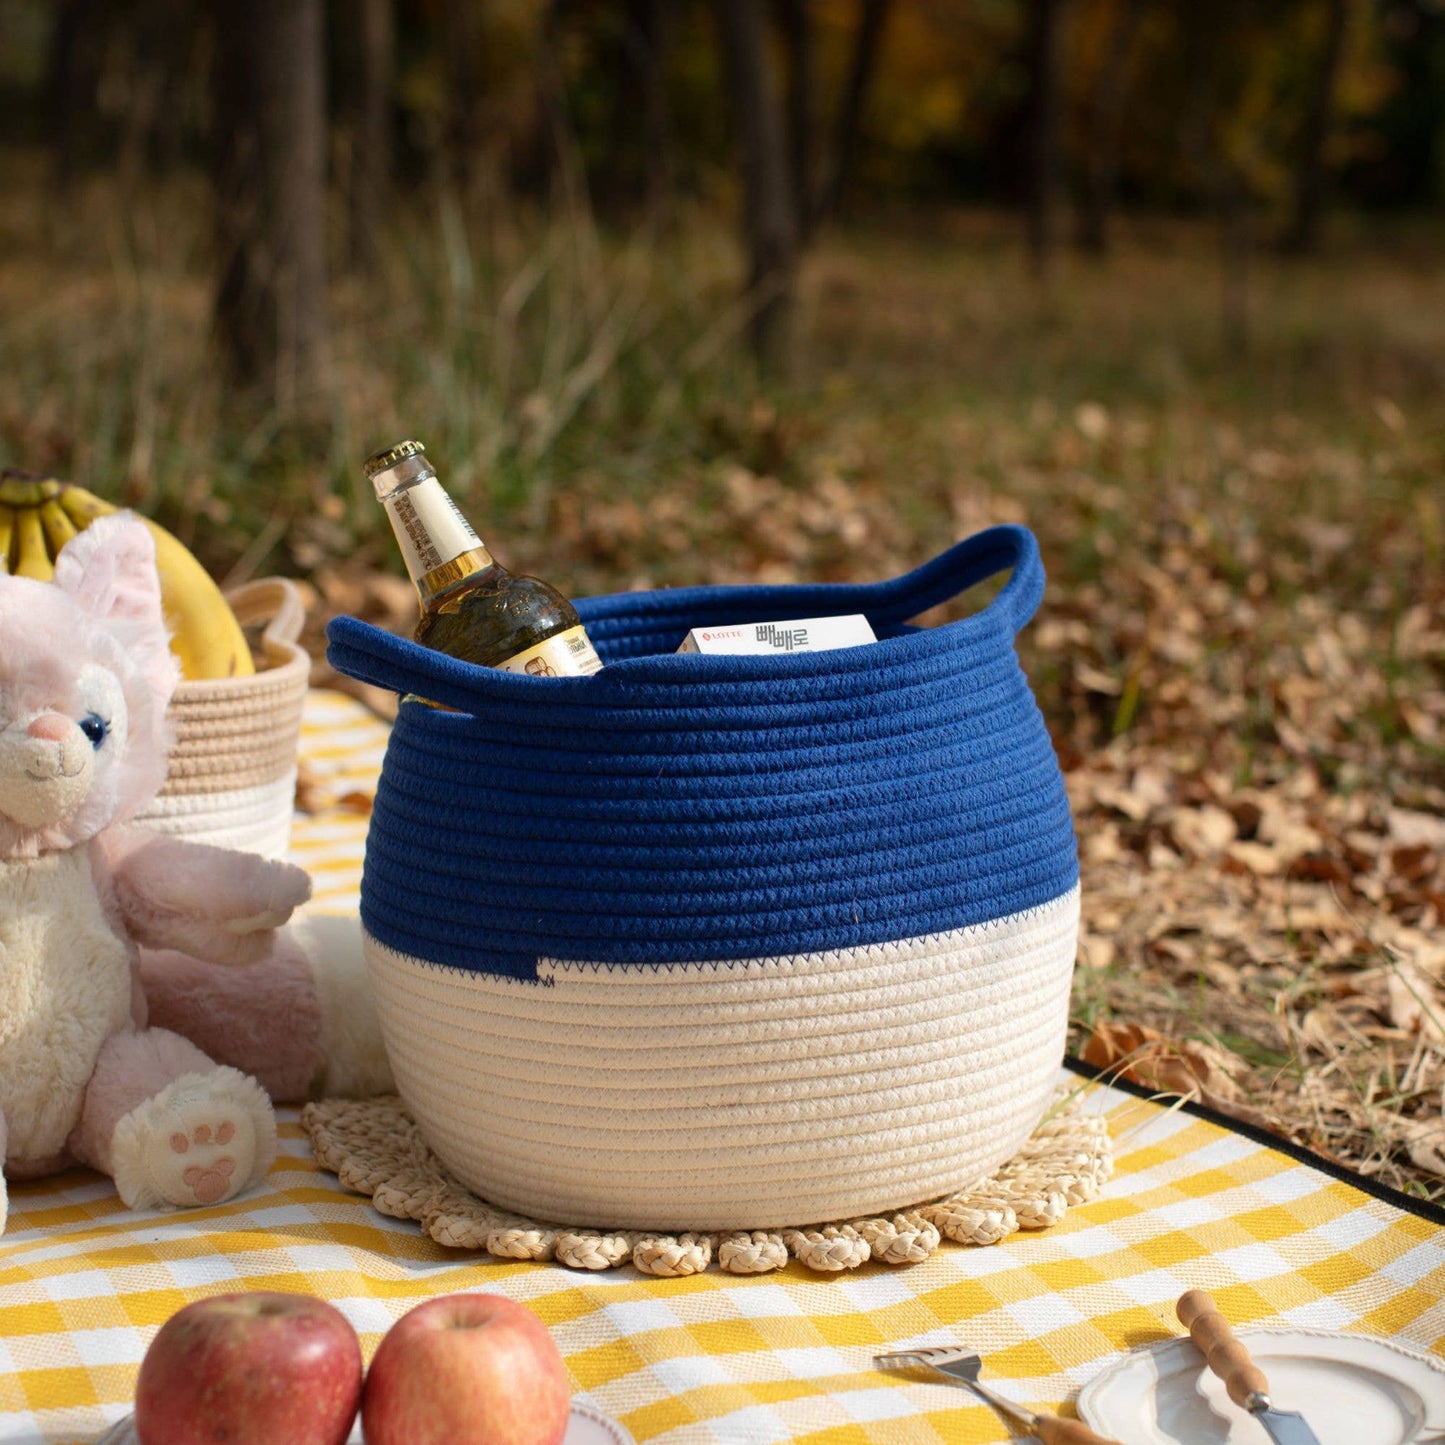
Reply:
x=472 y=607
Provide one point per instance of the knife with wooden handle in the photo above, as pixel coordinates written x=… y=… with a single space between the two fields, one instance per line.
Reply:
x=1055 y=1430
x=1227 y=1357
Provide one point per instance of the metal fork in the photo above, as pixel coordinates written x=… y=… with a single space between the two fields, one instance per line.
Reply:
x=961 y=1367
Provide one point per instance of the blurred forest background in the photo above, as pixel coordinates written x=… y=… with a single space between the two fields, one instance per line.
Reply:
x=792 y=289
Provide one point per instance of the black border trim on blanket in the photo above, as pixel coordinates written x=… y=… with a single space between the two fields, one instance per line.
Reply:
x=1423 y=1208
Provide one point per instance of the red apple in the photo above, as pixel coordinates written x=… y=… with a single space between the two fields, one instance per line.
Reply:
x=251 y=1369
x=466 y=1369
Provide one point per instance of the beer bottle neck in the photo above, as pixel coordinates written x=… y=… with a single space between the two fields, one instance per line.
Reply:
x=438 y=544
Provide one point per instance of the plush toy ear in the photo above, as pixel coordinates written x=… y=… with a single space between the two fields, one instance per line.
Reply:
x=110 y=570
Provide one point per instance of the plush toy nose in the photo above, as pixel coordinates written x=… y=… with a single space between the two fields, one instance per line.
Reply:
x=51 y=727
x=46 y=772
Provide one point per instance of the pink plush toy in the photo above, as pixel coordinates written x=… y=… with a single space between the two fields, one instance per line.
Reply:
x=107 y=932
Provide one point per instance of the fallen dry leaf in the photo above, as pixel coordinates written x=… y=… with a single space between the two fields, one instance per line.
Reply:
x=1258 y=858
x=311 y=797
x=1195 y=1071
x=1415 y=1003
x=1203 y=832
x=1426 y=1143
x=1410 y=829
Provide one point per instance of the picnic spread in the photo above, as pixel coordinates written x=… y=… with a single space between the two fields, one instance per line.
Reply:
x=724 y=1001
x=1280 y=1239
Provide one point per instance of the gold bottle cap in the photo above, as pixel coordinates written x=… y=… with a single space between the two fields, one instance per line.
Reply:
x=380 y=461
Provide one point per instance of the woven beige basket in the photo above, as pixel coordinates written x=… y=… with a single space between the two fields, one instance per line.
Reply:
x=232 y=778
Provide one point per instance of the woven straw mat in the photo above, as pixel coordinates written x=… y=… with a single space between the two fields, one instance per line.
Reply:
x=375 y=1148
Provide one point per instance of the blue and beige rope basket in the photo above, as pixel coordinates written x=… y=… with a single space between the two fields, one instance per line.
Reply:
x=720 y=943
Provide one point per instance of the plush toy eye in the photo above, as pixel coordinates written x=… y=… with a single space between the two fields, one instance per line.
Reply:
x=95 y=728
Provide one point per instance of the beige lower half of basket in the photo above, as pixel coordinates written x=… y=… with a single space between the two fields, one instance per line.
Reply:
x=256 y=819
x=739 y=1095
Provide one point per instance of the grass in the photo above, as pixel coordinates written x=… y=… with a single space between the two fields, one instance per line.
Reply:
x=536 y=353
x=1246 y=549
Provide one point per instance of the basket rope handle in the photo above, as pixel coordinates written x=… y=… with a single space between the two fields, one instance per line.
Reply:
x=962 y=566
x=398 y=664
x=272 y=600
x=895 y=600
x=275 y=604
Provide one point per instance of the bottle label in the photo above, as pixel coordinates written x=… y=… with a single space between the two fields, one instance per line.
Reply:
x=565 y=654
x=429 y=527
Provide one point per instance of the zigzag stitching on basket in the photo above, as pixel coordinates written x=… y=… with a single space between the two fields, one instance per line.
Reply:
x=950 y=941
x=668 y=999
x=557 y=967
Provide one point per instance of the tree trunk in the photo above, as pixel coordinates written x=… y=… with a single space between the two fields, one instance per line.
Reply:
x=160 y=38
x=72 y=74
x=641 y=130
x=797 y=30
x=652 y=30
x=371 y=147
x=1212 y=35
x=1105 y=129
x=534 y=161
x=827 y=200
x=463 y=139
x=769 y=228
x=271 y=309
x=1302 y=234
x=1044 y=62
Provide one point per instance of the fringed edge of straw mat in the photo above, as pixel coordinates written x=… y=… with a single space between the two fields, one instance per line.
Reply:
x=374 y=1148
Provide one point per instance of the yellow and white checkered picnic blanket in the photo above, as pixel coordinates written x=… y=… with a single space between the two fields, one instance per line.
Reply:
x=85 y=1283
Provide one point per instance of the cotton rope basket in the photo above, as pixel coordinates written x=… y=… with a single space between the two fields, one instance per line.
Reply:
x=232 y=775
x=713 y=944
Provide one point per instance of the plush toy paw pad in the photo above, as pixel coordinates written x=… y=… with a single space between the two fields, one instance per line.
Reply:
x=180 y=1143
x=200 y=1141
x=211 y=1181
x=204 y=1162
x=211 y=1185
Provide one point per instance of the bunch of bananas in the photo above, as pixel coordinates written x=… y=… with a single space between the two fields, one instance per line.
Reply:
x=39 y=515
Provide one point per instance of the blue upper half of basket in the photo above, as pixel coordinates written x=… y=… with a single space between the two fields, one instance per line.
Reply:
x=690 y=808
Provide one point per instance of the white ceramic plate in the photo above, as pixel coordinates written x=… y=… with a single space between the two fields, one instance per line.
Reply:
x=585 y=1427
x=1352 y=1389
